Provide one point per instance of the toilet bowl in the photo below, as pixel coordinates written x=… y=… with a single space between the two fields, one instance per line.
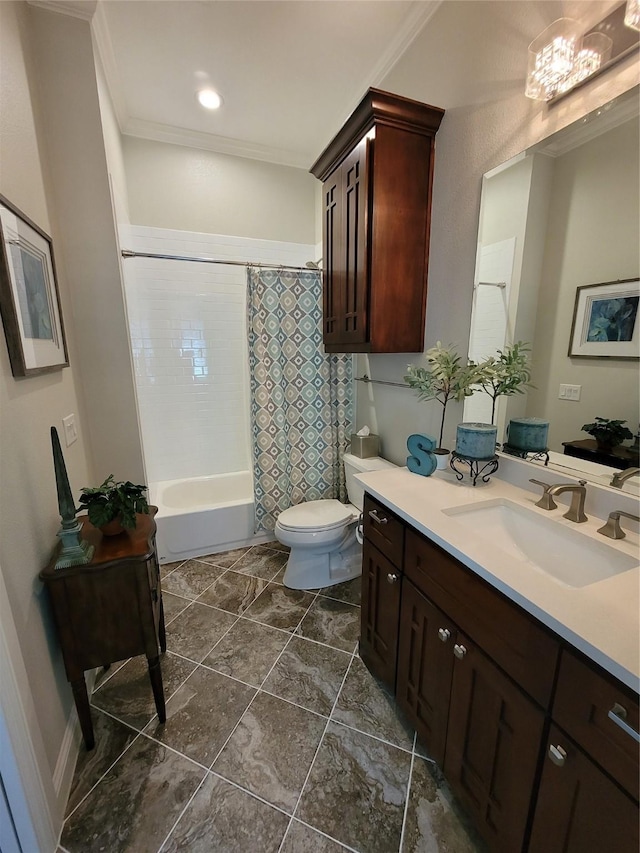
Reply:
x=322 y=534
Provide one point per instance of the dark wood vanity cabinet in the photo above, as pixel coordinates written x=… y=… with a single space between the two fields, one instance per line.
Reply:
x=490 y=691
x=377 y=175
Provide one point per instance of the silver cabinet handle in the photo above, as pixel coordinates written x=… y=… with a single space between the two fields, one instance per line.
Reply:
x=618 y=715
x=557 y=755
x=444 y=634
x=459 y=651
x=392 y=577
x=379 y=519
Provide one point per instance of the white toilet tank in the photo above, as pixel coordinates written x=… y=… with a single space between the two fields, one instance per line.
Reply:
x=354 y=465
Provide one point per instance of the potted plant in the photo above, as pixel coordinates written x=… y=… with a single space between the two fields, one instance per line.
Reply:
x=607 y=433
x=444 y=378
x=112 y=506
x=507 y=374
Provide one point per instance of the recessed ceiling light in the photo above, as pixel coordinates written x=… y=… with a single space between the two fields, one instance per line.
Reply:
x=209 y=99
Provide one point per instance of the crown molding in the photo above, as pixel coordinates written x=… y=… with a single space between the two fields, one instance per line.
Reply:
x=82 y=9
x=419 y=15
x=210 y=142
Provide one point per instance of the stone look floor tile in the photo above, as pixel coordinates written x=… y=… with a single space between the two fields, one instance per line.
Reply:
x=261 y=562
x=173 y=605
x=223 y=818
x=367 y=705
x=128 y=695
x=332 y=622
x=202 y=714
x=233 y=592
x=248 y=651
x=166 y=568
x=303 y=839
x=435 y=823
x=112 y=738
x=136 y=804
x=191 y=579
x=225 y=559
x=280 y=607
x=271 y=750
x=103 y=674
x=309 y=675
x=196 y=631
x=356 y=790
x=349 y=591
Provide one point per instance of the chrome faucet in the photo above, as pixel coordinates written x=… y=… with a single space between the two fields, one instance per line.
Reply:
x=612 y=527
x=621 y=477
x=576 y=510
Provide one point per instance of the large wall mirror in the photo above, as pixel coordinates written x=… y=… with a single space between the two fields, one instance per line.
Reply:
x=559 y=216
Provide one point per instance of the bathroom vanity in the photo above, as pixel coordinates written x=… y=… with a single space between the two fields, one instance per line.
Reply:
x=522 y=688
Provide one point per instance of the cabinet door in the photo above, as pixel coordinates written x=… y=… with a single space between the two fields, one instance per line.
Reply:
x=493 y=745
x=345 y=246
x=380 y=613
x=579 y=809
x=425 y=667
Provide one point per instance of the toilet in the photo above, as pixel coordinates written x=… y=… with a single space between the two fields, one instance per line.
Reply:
x=322 y=534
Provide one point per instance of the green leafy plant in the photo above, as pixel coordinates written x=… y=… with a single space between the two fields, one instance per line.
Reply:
x=444 y=378
x=114 y=499
x=608 y=433
x=506 y=374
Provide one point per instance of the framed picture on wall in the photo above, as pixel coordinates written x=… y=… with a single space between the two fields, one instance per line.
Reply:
x=29 y=299
x=606 y=320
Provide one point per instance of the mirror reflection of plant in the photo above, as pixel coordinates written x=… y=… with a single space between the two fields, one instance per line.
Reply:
x=608 y=433
x=505 y=375
x=112 y=499
x=444 y=378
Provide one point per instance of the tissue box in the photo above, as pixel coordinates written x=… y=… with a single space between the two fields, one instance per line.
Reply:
x=365 y=446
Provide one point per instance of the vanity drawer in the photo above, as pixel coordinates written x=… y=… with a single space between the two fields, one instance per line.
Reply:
x=584 y=699
x=384 y=530
x=516 y=642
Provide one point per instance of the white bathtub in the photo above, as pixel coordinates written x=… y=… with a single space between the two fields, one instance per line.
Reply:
x=204 y=515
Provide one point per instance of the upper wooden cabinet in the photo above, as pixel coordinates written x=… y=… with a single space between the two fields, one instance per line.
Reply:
x=377 y=175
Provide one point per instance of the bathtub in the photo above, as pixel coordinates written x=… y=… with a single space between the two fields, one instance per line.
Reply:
x=204 y=515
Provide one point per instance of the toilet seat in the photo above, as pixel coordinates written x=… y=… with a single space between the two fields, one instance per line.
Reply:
x=316 y=516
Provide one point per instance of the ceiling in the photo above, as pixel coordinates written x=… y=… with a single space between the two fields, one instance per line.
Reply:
x=290 y=71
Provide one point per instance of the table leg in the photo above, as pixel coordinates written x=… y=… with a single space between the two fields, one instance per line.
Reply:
x=81 y=699
x=161 y=632
x=155 y=675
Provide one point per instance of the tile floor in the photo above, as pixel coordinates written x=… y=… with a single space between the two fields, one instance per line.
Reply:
x=277 y=739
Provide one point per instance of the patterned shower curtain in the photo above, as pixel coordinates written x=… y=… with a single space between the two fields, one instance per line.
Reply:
x=301 y=398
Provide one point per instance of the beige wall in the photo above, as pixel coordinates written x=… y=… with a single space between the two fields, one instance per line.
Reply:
x=470 y=59
x=29 y=516
x=592 y=237
x=171 y=186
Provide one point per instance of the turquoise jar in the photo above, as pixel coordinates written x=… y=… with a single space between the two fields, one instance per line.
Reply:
x=530 y=434
x=476 y=441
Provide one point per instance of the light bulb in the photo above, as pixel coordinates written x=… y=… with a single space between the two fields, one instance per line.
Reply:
x=209 y=99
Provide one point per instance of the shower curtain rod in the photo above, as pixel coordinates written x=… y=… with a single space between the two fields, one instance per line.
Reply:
x=128 y=253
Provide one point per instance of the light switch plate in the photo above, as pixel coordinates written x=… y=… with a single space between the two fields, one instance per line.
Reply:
x=70 y=431
x=570 y=392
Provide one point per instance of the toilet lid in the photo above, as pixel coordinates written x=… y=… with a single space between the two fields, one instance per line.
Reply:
x=316 y=515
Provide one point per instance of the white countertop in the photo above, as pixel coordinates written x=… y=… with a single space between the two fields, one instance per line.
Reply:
x=602 y=619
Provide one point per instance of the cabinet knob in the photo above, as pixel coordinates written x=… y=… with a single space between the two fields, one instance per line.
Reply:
x=379 y=519
x=618 y=715
x=392 y=577
x=444 y=634
x=557 y=755
x=459 y=651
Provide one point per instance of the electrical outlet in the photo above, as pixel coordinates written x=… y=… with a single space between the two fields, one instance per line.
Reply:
x=70 y=431
x=570 y=392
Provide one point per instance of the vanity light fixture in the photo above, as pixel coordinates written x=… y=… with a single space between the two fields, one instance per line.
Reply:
x=563 y=56
x=209 y=99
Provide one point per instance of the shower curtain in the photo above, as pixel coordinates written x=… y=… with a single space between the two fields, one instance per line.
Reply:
x=301 y=398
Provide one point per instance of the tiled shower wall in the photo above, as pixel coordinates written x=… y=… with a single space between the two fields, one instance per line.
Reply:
x=188 y=334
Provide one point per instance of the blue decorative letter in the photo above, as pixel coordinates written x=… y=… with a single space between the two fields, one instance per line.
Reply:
x=422 y=461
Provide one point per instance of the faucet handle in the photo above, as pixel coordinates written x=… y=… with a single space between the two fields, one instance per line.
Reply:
x=612 y=528
x=546 y=501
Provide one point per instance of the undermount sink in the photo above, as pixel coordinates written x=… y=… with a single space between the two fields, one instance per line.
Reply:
x=563 y=553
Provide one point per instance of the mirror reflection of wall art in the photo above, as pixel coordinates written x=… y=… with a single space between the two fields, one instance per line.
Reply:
x=605 y=321
x=29 y=300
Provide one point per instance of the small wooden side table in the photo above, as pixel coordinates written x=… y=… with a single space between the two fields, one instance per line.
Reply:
x=619 y=457
x=110 y=609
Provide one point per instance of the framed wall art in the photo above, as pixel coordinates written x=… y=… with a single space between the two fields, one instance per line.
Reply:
x=29 y=299
x=606 y=321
